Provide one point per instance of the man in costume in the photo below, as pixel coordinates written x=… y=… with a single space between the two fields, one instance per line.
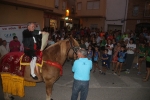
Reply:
x=29 y=42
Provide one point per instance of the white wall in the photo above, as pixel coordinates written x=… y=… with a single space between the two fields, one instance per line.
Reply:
x=115 y=12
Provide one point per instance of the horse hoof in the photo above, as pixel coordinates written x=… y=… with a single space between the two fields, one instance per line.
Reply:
x=12 y=98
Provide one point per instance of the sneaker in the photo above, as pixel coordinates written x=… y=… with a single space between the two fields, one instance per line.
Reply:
x=104 y=73
x=127 y=72
x=100 y=71
x=114 y=73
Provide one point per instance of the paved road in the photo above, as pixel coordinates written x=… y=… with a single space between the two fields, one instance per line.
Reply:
x=108 y=87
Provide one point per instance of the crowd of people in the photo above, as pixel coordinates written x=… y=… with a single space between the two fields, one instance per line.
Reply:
x=113 y=48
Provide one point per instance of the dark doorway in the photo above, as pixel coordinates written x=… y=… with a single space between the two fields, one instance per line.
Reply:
x=61 y=24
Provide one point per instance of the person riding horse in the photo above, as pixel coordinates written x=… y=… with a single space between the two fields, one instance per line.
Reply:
x=30 y=47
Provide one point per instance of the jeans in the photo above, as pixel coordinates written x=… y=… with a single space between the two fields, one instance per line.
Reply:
x=80 y=86
x=109 y=60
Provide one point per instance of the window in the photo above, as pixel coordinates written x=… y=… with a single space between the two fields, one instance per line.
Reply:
x=79 y=6
x=135 y=10
x=94 y=26
x=147 y=9
x=56 y=3
x=93 y=4
x=64 y=5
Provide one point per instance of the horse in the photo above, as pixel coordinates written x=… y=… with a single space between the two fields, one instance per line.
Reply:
x=54 y=57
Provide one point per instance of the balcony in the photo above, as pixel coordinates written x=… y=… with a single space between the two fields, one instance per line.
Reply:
x=147 y=13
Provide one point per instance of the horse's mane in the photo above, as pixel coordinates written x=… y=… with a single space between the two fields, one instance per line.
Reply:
x=58 y=50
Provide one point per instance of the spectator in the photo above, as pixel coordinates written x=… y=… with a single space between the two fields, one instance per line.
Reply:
x=115 y=55
x=147 y=64
x=127 y=39
x=87 y=43
x=81 y=69
x=96 y=57
x=130 y=55
x=104 y=61
x=103 y=43
x=141 y=52
x=4 y=49
x=14 y=45
x=82 y=45
x=90 y=53
x=109 y=46
x=50 y=41
x=98 y=39
x=121 y=60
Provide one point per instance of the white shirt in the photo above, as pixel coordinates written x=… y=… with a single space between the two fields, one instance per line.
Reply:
x=3 y=50
x=98 y=39
x=62 y=38
x=132 y=47
x=148 y=38
x=87 y=45
x=93 y=33
x=109 y=51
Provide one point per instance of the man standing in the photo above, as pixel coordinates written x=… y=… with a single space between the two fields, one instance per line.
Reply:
x=3 y=49
x=14 y=45
x=29 y=43
x=81 y=69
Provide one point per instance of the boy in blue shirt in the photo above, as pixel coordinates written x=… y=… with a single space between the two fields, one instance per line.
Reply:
x=121 y=60
x=104 y=61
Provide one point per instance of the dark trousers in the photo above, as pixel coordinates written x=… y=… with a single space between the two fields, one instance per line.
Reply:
x=109 y=60
x=80 y=86
x=129 y=61
x=30 y=53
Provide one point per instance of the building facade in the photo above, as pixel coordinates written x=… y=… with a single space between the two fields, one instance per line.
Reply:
x=116 y=13
x=91 y=13
x=138 y=12
x=48 y=13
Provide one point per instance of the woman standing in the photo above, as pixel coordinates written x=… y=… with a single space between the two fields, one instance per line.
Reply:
x=147 y=64
x=109 y=46
x=131 y=47
x=141 y=52
x=115 y=55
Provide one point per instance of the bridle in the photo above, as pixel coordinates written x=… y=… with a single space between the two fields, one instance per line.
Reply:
x=74 y=48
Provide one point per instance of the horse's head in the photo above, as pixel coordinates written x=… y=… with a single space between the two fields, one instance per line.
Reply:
x=74 y=46
x=61 y=50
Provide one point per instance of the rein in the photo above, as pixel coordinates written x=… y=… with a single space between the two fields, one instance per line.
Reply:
x=57 y=65
x=73 y=48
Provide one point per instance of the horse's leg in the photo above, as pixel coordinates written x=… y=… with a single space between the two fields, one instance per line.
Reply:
x=8 y=96
x=49 y=87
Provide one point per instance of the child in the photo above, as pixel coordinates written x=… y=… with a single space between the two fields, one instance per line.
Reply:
x=90 y=53
x=142 y=52
x=96 y=57
x=121 y=60
x=104 y=61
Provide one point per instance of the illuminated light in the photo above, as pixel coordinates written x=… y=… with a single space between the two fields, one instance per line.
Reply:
x=66 y=18
x=67 y=12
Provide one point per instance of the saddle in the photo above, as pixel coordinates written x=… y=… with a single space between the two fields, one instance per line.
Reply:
x=25 y=60
x=15 y=62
